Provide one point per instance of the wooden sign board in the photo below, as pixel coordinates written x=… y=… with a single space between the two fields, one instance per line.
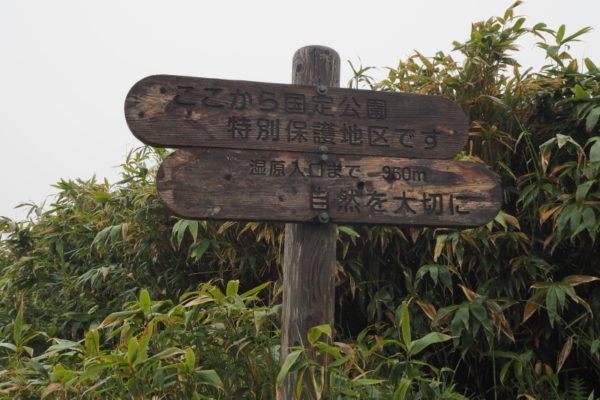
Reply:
x=175 y=111
x=298 y=187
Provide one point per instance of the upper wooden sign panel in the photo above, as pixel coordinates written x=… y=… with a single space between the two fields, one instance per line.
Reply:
x=176 y=111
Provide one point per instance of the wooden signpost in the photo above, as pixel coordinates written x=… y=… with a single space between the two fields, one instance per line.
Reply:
x=310 y=154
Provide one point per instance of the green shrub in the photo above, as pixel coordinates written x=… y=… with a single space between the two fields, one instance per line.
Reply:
x=519 y=297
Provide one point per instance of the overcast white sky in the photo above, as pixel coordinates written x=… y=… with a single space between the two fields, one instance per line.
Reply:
x=66 y=66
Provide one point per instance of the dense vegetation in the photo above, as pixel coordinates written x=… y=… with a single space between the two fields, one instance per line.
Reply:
x=105 y=295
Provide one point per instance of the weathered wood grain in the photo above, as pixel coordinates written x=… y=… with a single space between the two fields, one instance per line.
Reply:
x=177 y=111
x=309 y=251
x=298 y=187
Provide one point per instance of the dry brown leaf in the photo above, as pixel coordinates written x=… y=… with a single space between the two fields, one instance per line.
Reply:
x=579 y=300
x=530 y=309
x=545 y=160
x=469 y=239
x=439 y=245
x=415 y=233
x=548 y=240
x=469 y=294
x=525 y=396
x=545 y=214
x=452 y=269
x=538 y=368
x=505 y=327
x=578 y=280
x=428 y=309
x=557 y=169
x=532 y=305
x=344 y=347
x=522 y=236
x=53 y=387
x=198 y=300
x=564 y=353
x=512 y=220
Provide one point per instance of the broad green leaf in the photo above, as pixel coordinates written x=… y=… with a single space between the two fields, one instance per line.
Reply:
x=431 y=338
x=590 y=65
x=460 y=320
x=367 y=381
x=181 y=227
x=500 y=219
x=115 y=233
x=93 y=371
x=144 y=342
x=115 y=317
x=347 y=230
x=190 y=359
x=519 y=23
x=434 y=272
x=580 y=93
x=560 y=296
x=193 y=228
x=575 y=218
x=595 y=151
x=62 y=345
x=9 y=346
x=582 y=191
x=132 y=348
x=552 y=305
x=18 y=326
x=504 y=370
x=287 y=365
x=405 y=324
x=402 y=390
x=144 y=302
x=552 y=51
x=340 y=361
x=102 y=235
x=92 y=343
x=480 y=313
x=232 y=288
x=210 y=377
x=332 y=350
x=589 y=218
x=580 y=32
x=199 y=249
x=28 y=350
x=315 y=333
x=561 y=140
x=254 y=290
x=592 y=119
x=170 y=352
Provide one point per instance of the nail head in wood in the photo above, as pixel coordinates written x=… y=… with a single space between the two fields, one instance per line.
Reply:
x=324 y=218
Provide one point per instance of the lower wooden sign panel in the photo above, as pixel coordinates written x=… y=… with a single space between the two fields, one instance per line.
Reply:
x=298 y=187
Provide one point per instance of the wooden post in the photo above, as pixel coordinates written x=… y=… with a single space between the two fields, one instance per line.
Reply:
x=309 y=253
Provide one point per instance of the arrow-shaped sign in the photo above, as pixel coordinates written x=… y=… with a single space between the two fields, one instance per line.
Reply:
x=175 y=111
x=295 y=187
